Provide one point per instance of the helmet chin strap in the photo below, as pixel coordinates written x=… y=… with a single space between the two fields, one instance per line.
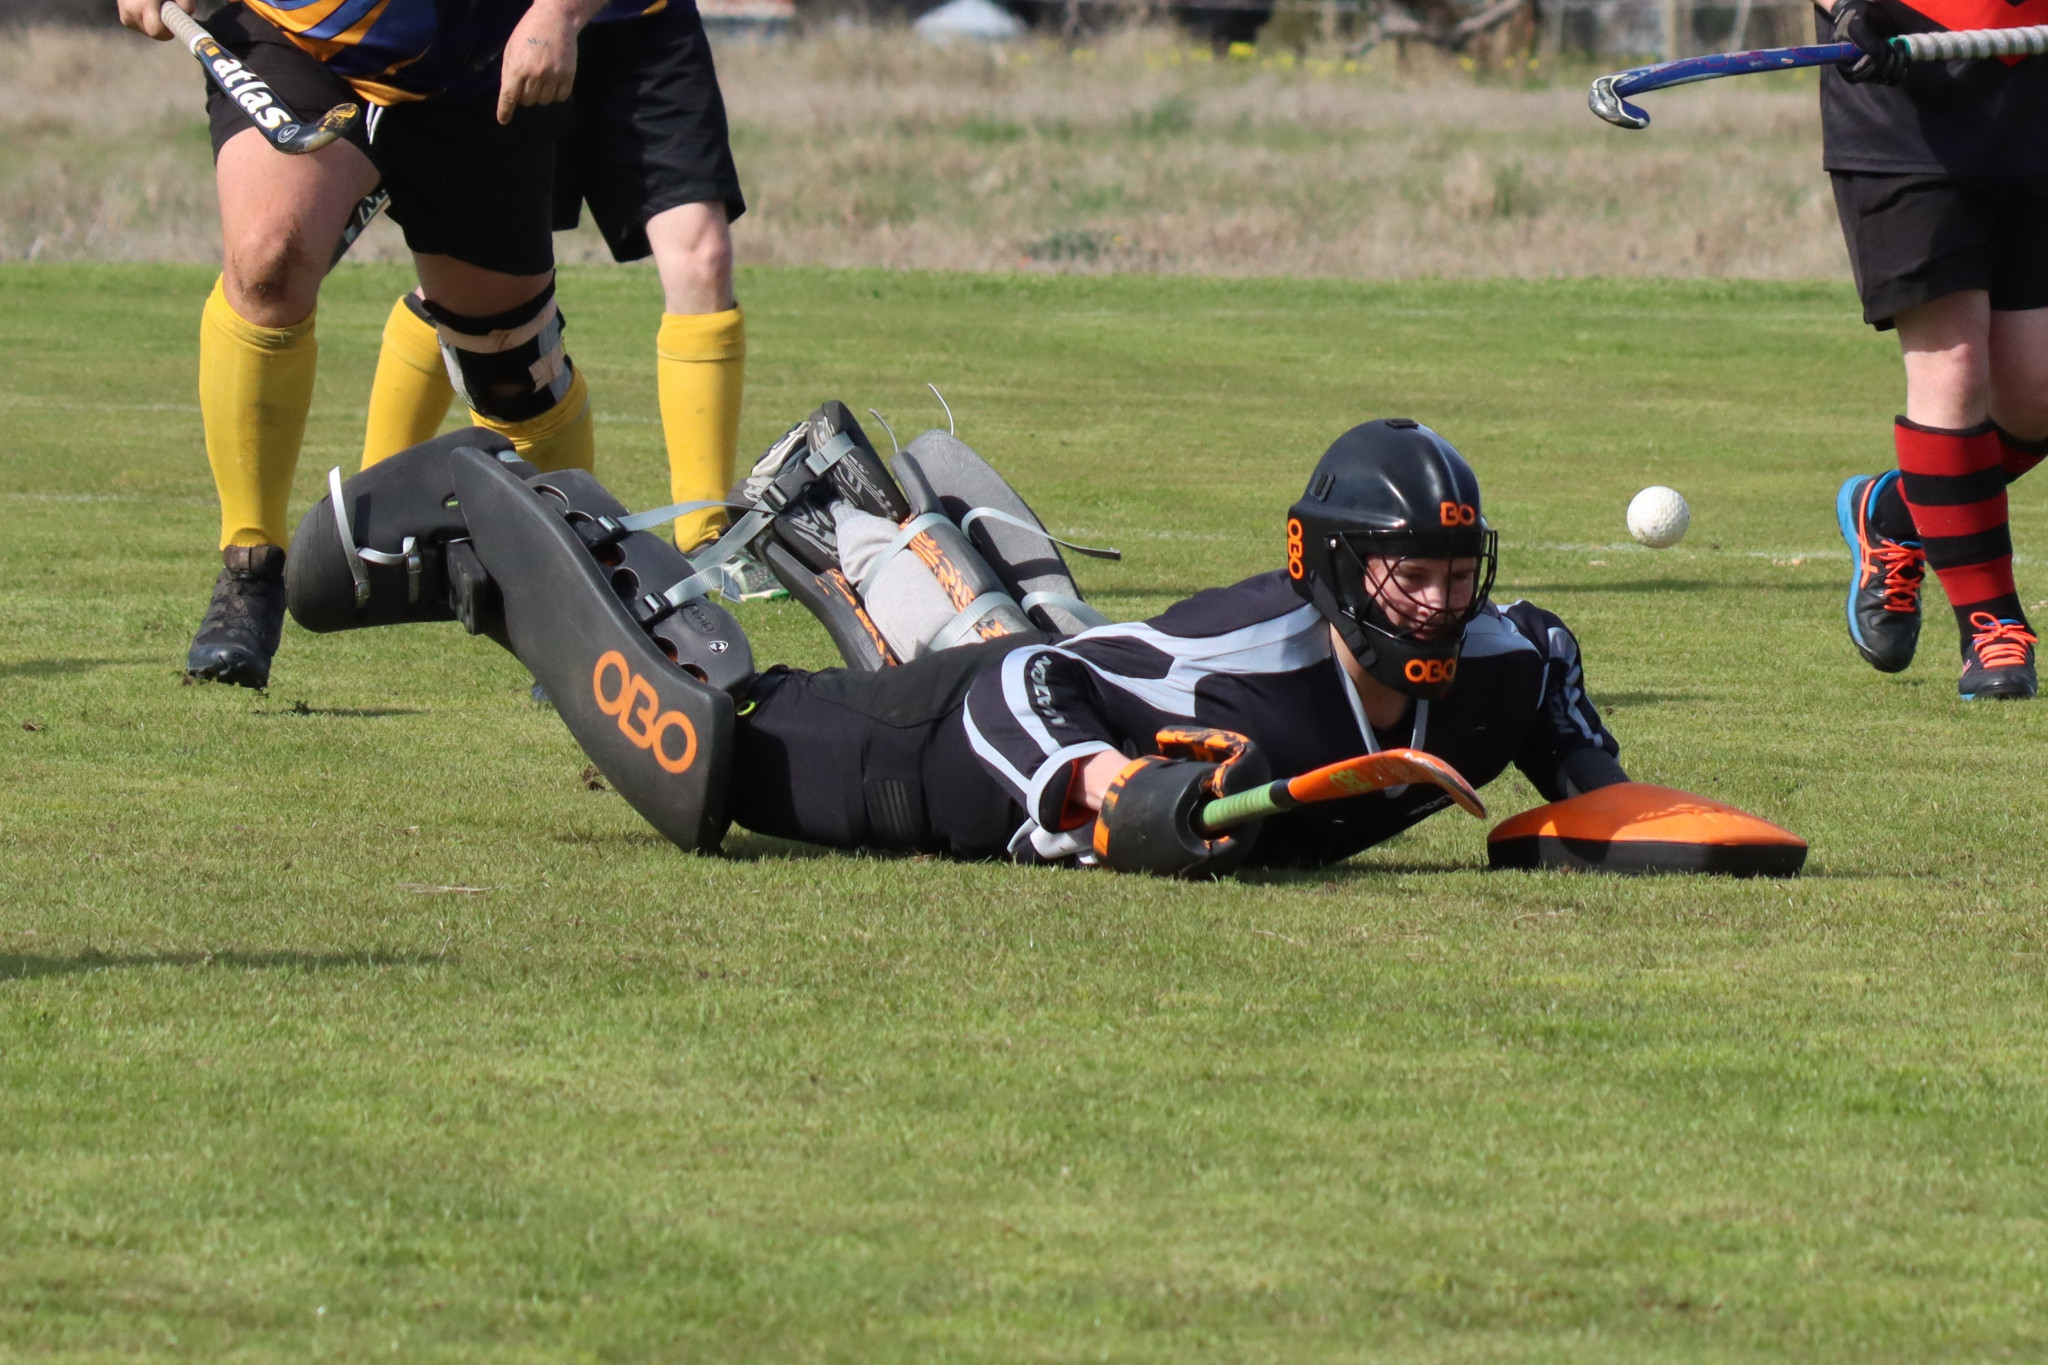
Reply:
x=1383 y=665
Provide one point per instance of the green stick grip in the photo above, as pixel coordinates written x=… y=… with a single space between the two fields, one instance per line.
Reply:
x=1255 y=804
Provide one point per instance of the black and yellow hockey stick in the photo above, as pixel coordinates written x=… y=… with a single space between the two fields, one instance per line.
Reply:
x=270 y=116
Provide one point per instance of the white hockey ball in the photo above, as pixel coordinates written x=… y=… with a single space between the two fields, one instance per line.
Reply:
x=1658 y=517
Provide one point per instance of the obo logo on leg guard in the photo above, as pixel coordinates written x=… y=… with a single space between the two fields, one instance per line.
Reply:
x=638 y=708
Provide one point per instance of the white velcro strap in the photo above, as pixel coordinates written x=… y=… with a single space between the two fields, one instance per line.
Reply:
x=962 y=625
x=706 y=578
x=408 y=554
x=974 y=514
x=348 y=541
x=912 y=529
x=644 y=521
x=838 y=448
x=1088 y=616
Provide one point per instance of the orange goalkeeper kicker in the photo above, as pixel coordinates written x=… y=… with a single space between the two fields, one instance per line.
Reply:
x=1635 y=827
x=1352 y=777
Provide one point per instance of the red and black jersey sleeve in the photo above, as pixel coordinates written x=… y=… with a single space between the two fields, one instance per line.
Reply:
x=1974 y=118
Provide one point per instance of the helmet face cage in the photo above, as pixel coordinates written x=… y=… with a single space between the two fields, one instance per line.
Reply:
x=1361 y=594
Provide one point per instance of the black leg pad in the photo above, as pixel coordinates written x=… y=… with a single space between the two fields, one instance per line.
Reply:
x=700 y=637
x=663 y=738
x=410 y=496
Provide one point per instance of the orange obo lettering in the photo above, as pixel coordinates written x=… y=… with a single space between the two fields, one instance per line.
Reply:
x=1294 y=547
x=1457 y=513
x=1431 y=670
x=638 y=708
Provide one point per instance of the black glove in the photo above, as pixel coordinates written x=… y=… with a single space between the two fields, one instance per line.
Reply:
x=1147 y=822
x=1861 y=22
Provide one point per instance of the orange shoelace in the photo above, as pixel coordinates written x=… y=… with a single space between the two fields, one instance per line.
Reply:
x=1903 y=566
x=1999 y=644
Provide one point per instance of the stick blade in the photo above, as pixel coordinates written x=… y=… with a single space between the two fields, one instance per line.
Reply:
x=1377 y=772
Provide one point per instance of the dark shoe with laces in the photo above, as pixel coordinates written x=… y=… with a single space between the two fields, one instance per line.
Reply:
x=1884 y=589
x=1998 y=660
x=238 y=635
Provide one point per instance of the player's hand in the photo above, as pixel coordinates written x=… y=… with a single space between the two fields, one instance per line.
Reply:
x=143 y=16
x=1861 y=22
x=539 y=66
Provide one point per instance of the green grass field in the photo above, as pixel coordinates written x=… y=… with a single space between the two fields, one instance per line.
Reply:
x=270 y=1089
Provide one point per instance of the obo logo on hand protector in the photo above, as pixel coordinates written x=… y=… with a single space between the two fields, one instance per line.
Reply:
x=638 y=708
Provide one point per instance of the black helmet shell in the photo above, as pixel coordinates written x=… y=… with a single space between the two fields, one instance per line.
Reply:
x=1390 y=488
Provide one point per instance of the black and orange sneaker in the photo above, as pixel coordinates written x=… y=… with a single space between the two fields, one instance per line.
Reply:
x=239 y=634
x=1998 y=660
x=1884 y=590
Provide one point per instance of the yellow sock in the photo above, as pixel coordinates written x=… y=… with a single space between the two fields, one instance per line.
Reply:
x=700 y=371
x=411 y=393
x=255 y=387
x=560 y=438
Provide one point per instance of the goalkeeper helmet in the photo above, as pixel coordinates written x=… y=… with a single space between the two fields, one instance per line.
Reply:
x=1388 y=492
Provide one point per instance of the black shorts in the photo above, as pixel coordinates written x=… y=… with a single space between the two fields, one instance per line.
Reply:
x=650 y=128
x=872 y=760
x=1916 y=238
x=461 y=184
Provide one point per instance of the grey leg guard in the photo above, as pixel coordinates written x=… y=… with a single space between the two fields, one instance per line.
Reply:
x=938 y=553
x=924 y=586
x=940 y=472
x=385 y=560
x=661 y=736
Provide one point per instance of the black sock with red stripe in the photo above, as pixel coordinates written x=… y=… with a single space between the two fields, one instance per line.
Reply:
x=1954 y=484
x=2017 y=456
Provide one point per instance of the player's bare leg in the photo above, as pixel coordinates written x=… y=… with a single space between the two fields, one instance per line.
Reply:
x=280 y=218
x=693 y=254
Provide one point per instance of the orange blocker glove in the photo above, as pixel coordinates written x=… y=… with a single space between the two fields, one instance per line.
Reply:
x=1148 y=821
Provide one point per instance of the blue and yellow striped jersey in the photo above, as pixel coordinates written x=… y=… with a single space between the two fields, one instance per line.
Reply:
x=627 y=9
x=393 y=51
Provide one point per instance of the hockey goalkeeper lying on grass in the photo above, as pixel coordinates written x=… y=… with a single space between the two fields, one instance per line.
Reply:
x=985 y=709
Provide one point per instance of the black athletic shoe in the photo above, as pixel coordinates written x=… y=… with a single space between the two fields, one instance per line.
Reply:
x=239 y=633
x=1884 y=588
x=1998 y=660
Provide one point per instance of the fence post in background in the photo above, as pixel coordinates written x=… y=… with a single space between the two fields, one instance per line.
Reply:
x=1668 y=19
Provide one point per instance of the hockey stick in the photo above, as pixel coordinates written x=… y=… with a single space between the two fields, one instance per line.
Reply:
x=1609 y=95
x=1352 y=777
x=269 y=116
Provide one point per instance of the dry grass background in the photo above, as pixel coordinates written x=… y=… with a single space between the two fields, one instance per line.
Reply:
x=866 y=147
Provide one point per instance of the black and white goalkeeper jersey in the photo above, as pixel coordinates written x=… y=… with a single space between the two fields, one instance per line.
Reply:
x=1257 y=659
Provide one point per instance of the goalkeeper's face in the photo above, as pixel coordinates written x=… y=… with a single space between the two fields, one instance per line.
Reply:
x=1424 y=599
